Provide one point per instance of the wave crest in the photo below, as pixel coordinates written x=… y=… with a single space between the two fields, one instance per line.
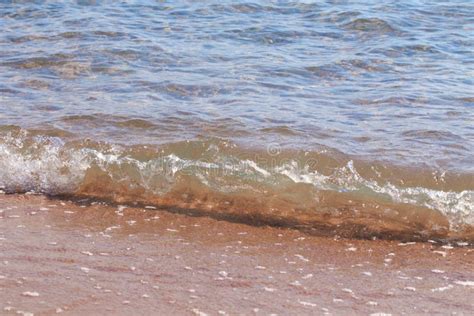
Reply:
x=217 y=177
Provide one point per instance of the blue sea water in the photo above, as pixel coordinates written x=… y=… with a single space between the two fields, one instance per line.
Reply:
x=363 y=86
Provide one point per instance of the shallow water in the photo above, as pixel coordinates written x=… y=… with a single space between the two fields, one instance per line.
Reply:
x=142 y=262
x=282 y=103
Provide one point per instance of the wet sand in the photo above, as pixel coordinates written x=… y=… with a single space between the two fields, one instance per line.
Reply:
x=76 y=258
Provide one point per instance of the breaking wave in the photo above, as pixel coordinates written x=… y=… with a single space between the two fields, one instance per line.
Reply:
x=309 y=190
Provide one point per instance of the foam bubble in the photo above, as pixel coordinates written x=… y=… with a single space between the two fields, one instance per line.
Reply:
x=53 y=166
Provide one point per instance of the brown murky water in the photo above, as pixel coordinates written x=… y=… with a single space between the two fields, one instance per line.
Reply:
x=76 y=258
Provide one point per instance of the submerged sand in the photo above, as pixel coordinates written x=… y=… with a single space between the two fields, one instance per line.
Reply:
x=74 y=258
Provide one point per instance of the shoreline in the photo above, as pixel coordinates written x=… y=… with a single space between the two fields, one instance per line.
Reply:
x=63 y=257
x=311 y=190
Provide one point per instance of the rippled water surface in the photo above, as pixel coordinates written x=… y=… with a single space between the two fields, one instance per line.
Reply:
x=378 y=95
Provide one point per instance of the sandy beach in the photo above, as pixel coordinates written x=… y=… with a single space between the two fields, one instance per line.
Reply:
x=79 y=258
x=236 y=158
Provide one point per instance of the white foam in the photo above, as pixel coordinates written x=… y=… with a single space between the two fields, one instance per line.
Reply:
x=458 y=206
x=49 y=165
